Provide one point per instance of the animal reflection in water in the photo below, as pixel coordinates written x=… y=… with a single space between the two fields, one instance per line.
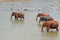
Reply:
x=18 y=21
x=17 y=15
x=49 y=35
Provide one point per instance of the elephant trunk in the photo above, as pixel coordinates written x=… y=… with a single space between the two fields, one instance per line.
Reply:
x=13 y=13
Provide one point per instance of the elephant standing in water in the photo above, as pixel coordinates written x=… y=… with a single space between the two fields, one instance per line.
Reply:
x=43 y=18
x=17 y=15
x=50 y=24
x=42 y=14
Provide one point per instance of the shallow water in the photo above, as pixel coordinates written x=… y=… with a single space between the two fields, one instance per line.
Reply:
x=24 y=30
x=27 y=29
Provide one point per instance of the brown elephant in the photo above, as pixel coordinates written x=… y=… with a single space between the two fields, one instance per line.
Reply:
x=43 y=18
x=50 y=24
x=42 y=14
x=17 y=15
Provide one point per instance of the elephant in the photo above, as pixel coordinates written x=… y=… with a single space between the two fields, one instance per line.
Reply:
x=17 y=15
x=42 y=14
x=43 y=18
x=50 y=25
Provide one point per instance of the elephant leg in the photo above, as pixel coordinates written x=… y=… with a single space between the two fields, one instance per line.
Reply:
x=39 y=21
x=57 y=29
x=23 y=17
x=16 y=18
x=42 y=28
x=47 y=29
